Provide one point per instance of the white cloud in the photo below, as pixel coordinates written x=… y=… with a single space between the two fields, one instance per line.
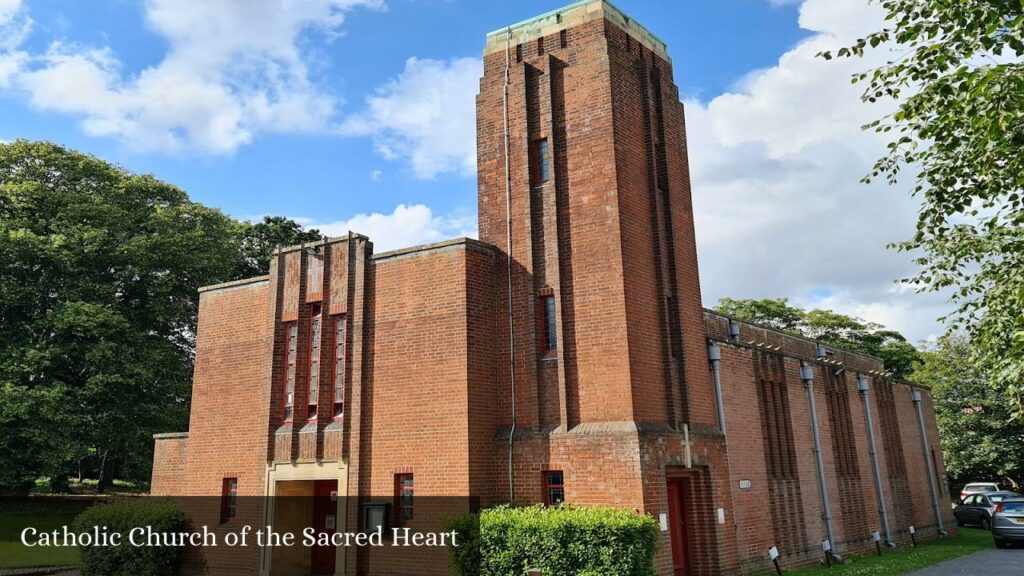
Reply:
x=15 y=26
x=776 y=166
x=232 y=70
x=425 y=115
x=376 y=175
x=406 y=226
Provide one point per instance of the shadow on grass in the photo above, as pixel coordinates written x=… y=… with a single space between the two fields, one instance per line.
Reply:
x=908 y=559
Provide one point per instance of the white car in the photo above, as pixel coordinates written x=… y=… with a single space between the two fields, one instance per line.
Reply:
x=978 y=488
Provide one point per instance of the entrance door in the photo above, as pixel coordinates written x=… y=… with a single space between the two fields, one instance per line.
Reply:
x=678 y=490
x=325 y=519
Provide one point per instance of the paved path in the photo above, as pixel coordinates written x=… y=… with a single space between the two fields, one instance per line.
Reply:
x=992 y=562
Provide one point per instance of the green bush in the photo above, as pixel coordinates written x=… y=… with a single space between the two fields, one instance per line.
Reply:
x=127 y=560
x=560 y=541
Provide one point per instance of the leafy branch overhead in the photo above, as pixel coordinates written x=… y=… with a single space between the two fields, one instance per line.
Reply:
x=956 y=72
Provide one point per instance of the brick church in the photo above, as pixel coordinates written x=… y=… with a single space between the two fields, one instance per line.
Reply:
x=563 y=356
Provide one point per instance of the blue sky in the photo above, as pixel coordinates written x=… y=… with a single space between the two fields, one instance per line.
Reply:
x=358 y=113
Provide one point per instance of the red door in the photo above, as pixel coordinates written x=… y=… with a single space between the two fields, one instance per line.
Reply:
x=325 y=510
x=677 y=492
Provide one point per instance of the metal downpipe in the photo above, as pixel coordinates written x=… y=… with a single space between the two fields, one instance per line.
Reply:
x=807 y=375
x=715 y=357
x=508 y=271
x=916 y=397
x=863 y=386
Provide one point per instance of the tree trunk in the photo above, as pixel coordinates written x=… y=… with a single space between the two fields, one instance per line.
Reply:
x=104 y=480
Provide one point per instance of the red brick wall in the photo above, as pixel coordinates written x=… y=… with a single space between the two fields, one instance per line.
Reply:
x=170 y=455
x=421 y=373
x=228 y=423
x=428 y=386
x=793 y=510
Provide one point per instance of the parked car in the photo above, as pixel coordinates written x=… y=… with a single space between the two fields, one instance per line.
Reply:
x=978 y=509
x=978 y=487
x=1008 y=522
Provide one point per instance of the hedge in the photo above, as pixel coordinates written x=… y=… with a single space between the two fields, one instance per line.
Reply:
x=127 y=560
x=558 y=541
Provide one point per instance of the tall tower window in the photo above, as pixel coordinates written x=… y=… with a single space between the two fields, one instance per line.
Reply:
x=541 y=161
x=339 y=365
x=292 y=330
x=550 y=335
x=315 y=325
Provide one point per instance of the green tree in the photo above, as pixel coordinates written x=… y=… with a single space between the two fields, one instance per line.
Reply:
x=257 y=242
x=958 y=82
x=99 y=278
x=828 y=327
x=980 y=438
x=768 y=312
x=99 y=270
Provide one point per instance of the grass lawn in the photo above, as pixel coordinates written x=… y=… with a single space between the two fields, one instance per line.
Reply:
x=905 y=560
x=44 y=515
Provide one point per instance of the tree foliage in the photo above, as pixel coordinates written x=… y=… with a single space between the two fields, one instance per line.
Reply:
x=980 y=439
x=828 y=327
x=957 y=77
x=257 y=242
x=99 y=277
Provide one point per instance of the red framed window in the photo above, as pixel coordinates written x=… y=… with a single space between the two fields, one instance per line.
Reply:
x=291 y=356
x=315 y=326
x=404 y=489
x=339 y=366
x=228 y=499
x=549 y=334
x=554 y=487
x=541 y=160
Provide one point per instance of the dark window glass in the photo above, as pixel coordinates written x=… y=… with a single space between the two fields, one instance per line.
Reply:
x=550 y=332
x=541 y=162
x=1013 y=507
x=554 y=487
x=404 y=489
x=228 y=499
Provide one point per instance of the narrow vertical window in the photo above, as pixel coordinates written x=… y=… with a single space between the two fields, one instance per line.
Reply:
x=554 y=487
x=339 y=366
x=292 y=330
x=549 y=342
x=541 y=161
x=404 y=488
x=315 y=325
x=228 y=499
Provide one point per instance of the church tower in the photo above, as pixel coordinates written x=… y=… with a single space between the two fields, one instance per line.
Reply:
x=584 y=187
